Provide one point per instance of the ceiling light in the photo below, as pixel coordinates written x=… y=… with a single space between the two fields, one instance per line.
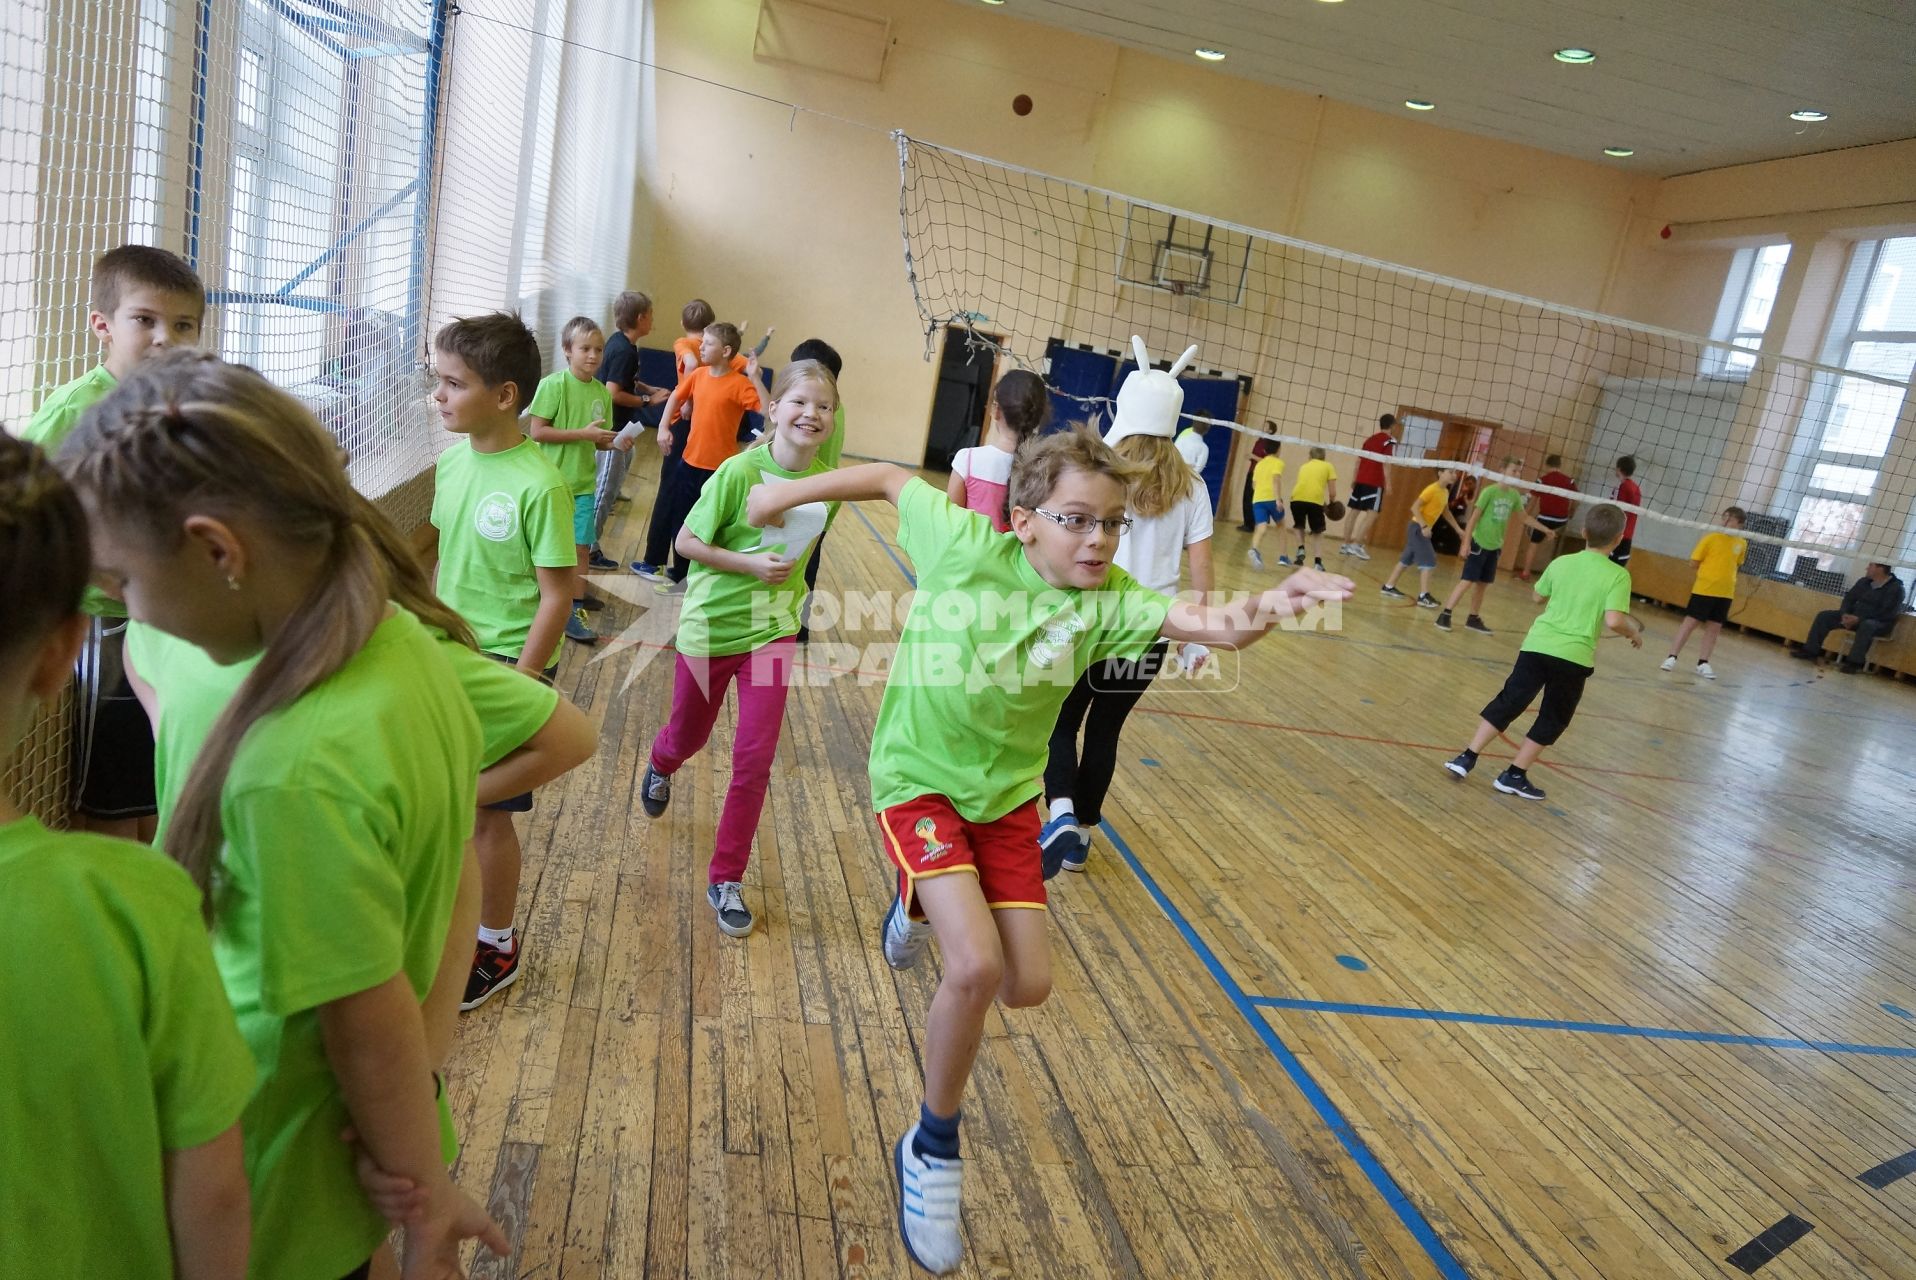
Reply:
x=1809 y=116
x=1331 y=1
x=1210 y=55
x=1575 y=57
x=994 y=1
x=1418 y=104
x=1619 y=152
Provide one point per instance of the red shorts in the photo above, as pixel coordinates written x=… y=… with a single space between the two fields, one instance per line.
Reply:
x=925 y=837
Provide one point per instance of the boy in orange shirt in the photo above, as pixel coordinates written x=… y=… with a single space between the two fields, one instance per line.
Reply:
x=719 y=395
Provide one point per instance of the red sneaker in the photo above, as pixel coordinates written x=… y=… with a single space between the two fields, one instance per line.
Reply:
x=493 y=970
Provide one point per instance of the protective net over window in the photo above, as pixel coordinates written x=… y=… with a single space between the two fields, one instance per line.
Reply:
x=1058 y=276
x=343 y=174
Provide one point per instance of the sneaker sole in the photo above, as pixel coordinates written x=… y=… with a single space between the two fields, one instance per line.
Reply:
x=884 y=933
x=732 y=930
x=1427 y=604
x=1508 y=790
x=1075 y=866
x=1455 y=771
x=492 y=991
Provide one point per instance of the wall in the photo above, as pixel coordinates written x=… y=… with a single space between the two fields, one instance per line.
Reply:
x=792 y=218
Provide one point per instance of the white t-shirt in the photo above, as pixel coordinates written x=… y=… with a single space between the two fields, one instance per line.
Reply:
x=1192 y=449
x=986 y=471
x=1154 y=549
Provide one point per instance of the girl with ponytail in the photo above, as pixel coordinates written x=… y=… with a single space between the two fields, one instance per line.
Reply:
x=325 y=814
x=980 y=477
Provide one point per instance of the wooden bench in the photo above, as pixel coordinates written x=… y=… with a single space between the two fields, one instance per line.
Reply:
x=1768 y=607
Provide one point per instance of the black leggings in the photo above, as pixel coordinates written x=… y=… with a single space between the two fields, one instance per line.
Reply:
x=1099 y=702
x=1562 y=683
x=678 y=494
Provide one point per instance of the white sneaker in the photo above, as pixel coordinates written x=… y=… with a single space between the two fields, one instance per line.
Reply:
x=928 y=1207
x=1705 y=670
x=1358 y=550
x=904 y=938
x=1668 y=664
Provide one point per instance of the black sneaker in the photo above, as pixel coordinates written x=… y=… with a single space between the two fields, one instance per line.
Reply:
x=1464 y=762
x=734 y=917
x=1425 y=600
x=1443 y=620
x=1299 y=557
x=1475 y=623
x=1807 y=655
x=493 y=970
x=1849 y=668
x=1392 y=592
x=598 y=559
x=1513 y=782
x=1317 y=563
x=655 y=791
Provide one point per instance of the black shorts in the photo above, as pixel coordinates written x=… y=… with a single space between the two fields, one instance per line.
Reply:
x=1622 y=554
x=1364 y=497
x=112 y=740
x=1553 y=523
x=1707 y=608
x=1561 y=681
x=521 y=803
x=1308 y=514
x=1481 y=564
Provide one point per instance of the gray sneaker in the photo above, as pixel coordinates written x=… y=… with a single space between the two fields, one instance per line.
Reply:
x=655 y=791
x=904 y=937
x=734 y=917
x=578 y=628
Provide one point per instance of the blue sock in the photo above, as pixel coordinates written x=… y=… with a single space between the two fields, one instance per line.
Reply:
x=937 y=1135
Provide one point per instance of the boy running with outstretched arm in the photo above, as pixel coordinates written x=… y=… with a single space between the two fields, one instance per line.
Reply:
x=961 y=740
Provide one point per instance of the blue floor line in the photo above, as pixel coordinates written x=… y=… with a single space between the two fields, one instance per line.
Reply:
x=1588 y=1028
x=1379 y=1177
x=1354 y=1145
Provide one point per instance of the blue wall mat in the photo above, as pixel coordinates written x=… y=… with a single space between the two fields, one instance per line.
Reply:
x=1080 y=382
x=1209 y=398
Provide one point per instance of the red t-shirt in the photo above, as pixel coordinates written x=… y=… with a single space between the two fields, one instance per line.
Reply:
x=1628 y=492
x=1369 y=470
x=1549 y=505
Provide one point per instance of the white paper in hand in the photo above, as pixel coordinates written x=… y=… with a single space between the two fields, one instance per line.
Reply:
x=803 y=525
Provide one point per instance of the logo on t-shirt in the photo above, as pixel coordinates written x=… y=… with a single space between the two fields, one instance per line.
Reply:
x=497 y=517
x=1056 y=640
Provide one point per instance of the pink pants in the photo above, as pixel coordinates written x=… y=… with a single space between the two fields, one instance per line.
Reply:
x=698 y=691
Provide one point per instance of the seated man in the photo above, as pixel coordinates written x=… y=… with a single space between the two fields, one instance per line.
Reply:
x=1870 y=608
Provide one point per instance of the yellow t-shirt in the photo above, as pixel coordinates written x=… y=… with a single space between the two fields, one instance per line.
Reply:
x=1717 y=555
x=1264 y=478
x=1431 y=503
x=1313 y=481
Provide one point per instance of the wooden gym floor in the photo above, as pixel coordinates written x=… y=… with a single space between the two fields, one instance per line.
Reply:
x=1319 y=1009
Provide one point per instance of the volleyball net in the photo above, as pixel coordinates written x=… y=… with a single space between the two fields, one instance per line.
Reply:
x=1056 y=276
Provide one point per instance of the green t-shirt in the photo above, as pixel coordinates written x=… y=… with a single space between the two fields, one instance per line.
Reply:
x=1580 y=588
x=834 y=446
x=346 y=815
x=501 y=517
x=987 y=655
x=511 y=705
x=1496 y=504
x=50 y=427
x=731 y=613
x=116 y=1046
x=572 y=405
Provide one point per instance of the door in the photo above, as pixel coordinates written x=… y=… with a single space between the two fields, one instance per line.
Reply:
x=1438 y=437
x=962 y=399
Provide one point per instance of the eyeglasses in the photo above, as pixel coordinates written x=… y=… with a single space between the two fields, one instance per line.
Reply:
x=1080 y=524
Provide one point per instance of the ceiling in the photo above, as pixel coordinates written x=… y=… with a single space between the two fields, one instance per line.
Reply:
x=1688 y=84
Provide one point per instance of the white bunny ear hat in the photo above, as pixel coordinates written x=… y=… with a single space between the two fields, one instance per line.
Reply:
x=1150 y=400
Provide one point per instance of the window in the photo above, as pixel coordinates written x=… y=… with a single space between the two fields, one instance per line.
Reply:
x=1848 y=421
x=1748 y=298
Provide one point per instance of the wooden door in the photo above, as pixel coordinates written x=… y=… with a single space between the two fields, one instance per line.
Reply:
x=1458 y=439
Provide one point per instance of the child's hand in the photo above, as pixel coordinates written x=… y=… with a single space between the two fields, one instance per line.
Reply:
x=751 y=365
x=1307 y=587
x=603 y=439
x=659 y=396
x=665 y=442
x=762 y=508
x=623 y=443
x=398 y=1200
x=771 y=568
x=432 y=1243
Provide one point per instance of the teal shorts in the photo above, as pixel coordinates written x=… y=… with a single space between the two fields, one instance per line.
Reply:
x=584 y=520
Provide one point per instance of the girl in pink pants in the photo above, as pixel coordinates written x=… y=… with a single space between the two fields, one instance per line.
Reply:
x=742 y=605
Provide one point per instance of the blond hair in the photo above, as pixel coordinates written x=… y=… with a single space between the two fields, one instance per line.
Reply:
x=187 y=434
x=796 y=371
x=1041 y=460
x=1164 y=478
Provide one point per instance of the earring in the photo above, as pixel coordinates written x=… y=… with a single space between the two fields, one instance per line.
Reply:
x=232 y=583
